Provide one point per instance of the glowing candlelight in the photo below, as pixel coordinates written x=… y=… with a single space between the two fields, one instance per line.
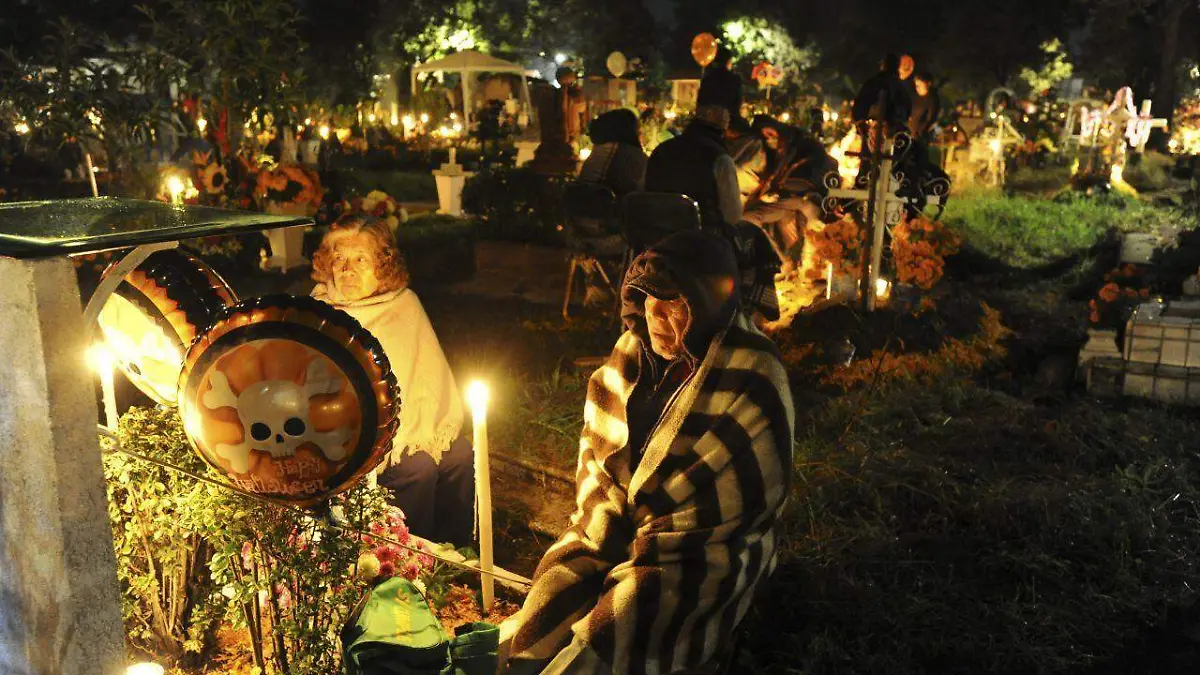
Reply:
x=145 y=668
x=477 y=398
x=175 y=188
x=102 y=362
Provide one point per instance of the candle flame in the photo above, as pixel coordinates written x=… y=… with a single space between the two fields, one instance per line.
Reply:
x=477 y=397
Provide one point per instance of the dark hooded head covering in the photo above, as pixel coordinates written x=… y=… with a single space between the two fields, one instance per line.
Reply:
x=615 y=126
x=698 y=266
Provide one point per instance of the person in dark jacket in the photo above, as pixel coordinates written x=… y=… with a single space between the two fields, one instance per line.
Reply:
x=926 y=106
x=792 y=185
x=697 y=164
x=722 y=87
x=883 y=98
x=617 y=160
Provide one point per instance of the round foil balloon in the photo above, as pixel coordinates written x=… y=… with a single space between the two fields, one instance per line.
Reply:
x=704 y=49
x=155 y=313
x=617 y=64
x=290 y=398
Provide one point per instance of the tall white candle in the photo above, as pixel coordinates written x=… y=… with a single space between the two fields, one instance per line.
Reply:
x=102 y=363
x=477 y=398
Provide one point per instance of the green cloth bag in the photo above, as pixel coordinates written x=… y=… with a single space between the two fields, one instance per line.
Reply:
x=394 y=632
x=473 y=651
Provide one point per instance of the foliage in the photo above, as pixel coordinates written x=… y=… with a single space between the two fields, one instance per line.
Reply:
x=65 y=90
x=405 y=186
x=1055 y=69
x=190 y=554
x=928 y=533
x=161 y=523
x=242 y=53
x=1025 y=232
x=757 y=39
x=516 y=204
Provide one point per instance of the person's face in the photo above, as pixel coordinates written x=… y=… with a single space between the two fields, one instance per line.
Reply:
x=667 y=321
x=771 y=137
x=922 y=87
x=354 y=266
x=906 y=67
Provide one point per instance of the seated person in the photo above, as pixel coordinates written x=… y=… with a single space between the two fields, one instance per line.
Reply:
x=684 y=467
x=618 y=163
x=792 y=185
x=617 y=160
x=430 y=468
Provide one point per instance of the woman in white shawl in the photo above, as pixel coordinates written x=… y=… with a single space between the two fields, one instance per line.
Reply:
x=360 y=271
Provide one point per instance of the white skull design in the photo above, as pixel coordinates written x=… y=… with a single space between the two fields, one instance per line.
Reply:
x=274 y=416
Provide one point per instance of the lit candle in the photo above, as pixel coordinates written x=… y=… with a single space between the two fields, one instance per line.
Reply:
x=102 y=363
x=453 y=157
x=477 y=398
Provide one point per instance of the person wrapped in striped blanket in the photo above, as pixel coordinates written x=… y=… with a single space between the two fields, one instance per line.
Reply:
x=684 y=467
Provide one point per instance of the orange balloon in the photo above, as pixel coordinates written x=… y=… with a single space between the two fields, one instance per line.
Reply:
x=704 y=49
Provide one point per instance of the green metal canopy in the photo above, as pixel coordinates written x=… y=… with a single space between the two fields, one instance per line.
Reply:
x=45 y=229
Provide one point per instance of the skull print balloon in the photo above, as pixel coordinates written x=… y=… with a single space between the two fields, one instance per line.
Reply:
x=155 y=313
x=290 y=398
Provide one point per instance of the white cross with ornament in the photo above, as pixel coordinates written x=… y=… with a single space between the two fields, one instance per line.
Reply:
x=888 y=210
x=1138 y=131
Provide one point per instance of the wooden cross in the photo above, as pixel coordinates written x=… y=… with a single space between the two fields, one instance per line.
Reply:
x=1138 y=131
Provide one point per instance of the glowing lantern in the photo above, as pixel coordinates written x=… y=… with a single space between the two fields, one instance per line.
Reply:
x=290 y=398
x=155 y=313
x=323 y=131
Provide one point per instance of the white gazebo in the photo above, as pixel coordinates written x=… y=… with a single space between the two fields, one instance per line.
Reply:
x=468 y=63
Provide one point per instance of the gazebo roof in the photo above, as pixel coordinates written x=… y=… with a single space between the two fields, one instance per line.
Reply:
x=469 y=61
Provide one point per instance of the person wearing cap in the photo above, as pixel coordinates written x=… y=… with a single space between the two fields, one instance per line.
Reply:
x=684 y=468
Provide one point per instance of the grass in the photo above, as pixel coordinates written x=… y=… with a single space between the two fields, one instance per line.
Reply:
x=1027 y=232
x=950 y=515
x=930 y=533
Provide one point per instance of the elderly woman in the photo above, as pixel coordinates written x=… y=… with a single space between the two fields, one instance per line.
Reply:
x=360 y=271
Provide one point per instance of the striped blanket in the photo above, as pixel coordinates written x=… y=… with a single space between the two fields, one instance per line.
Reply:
x=661 y=559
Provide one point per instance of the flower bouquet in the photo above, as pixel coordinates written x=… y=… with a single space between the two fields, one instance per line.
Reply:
x=1124 y=288
x=919 y=250
x=288 y=189
x=379 y=204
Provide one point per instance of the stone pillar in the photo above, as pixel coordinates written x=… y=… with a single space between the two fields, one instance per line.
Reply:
x=60 y=611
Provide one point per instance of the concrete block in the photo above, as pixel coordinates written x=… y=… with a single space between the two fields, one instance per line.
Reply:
x=60 y=610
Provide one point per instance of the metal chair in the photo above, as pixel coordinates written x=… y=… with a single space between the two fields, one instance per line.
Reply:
x=649 y=217
x=587 y=202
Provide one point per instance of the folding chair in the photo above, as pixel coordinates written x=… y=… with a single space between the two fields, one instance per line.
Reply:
x=587 y=204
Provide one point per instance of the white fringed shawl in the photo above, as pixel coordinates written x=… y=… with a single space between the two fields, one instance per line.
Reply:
x=431 y=409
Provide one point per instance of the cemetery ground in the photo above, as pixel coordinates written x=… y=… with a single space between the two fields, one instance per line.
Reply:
x=960 y=503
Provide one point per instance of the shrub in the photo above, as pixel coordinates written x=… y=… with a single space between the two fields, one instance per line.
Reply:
x=404 y=186
x=517 y=204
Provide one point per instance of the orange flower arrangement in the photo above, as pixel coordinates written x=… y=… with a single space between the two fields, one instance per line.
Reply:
x=919 y=250
x=1124 y=286
x=839 y=243
x=290 y=186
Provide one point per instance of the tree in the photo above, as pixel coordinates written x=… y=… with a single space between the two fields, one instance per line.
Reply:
x=242 y=53
x=754 y=39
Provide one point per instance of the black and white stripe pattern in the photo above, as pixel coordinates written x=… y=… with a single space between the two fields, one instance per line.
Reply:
x=660 y=561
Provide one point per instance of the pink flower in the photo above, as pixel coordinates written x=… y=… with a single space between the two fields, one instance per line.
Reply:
x=411 y=570
x=387 y=570
x=387 y=553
